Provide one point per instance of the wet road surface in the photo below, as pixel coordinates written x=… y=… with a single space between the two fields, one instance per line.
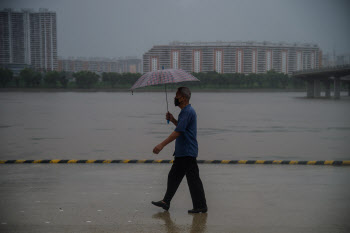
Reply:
x=117 y=198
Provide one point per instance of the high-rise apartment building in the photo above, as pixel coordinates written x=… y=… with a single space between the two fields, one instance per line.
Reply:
x=233 y=57
x=28 y=37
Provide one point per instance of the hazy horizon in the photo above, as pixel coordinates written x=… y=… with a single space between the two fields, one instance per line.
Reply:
x=107 y=28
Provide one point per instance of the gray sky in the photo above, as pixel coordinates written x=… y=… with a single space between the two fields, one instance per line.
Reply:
x=118 y=28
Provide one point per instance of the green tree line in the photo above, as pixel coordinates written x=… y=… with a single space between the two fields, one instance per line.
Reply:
x=29 y=78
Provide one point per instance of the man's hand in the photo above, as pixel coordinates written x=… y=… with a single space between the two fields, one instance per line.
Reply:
x=171 y=138
x=158 y=148
x=169 y=117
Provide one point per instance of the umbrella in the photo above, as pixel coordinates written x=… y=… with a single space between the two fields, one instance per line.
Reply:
x=163 y=76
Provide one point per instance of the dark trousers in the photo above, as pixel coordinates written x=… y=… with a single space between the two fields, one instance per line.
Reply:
x=186 y=166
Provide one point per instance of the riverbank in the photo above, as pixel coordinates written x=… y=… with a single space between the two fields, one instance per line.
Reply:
x=141 y=90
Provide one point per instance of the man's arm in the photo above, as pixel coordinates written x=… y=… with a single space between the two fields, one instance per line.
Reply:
x=171 y=138
x=174 y=121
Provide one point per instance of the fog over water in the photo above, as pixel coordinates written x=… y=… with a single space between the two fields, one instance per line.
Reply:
x=71 y=125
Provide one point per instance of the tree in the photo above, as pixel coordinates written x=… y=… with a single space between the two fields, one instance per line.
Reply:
x=17 y=81
x=129 y=78
x=239 y=79
x=284 y=79
x=37 y=79
x=51 y=78
x=105 y=77
x=114 y=78
x=250 y=78
x=272 y=78
x=85 y=79
x=30 y=77
x=63 y=79
x=259 y=80
x=6 y=76
x=297 y=83
x=27 y=76
x=111 y=78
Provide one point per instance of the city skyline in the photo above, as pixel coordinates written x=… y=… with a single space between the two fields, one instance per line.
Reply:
x=130 y=28
x=29 y=36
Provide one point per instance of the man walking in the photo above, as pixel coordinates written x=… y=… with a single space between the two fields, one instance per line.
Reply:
x=186 y=152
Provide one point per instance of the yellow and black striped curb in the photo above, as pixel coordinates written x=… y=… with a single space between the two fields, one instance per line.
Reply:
x=283 y=162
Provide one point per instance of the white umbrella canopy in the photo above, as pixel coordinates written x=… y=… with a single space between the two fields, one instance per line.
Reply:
x=164 y=76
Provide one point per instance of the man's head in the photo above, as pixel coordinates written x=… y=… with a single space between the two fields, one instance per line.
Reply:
x=183 y=96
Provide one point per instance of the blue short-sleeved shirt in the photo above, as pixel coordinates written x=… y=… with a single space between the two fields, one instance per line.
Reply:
x=186 y=144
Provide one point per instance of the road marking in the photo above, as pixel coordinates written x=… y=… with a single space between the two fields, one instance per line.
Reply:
x=267 y=162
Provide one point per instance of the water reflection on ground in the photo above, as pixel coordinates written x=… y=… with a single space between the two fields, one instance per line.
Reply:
x=199 y=222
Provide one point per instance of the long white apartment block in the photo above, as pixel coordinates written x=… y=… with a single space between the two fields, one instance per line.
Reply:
x=233 y=57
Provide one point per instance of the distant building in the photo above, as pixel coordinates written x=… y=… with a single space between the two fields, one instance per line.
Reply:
x=331 y=59
x=28 y=37
x=328 y=60
x=343 y=59
x=16 y=68
x=233 y=57
x=100 y=65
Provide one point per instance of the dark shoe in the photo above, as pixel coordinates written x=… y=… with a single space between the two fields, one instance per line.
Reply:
x=198 y=210
x=161 y=204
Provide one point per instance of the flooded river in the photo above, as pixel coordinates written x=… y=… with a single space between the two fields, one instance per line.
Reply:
x=98 y=125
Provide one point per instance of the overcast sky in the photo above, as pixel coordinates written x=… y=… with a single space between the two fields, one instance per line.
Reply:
x=119 y=28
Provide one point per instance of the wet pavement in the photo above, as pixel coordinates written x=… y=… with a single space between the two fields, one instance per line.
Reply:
x=117 y=198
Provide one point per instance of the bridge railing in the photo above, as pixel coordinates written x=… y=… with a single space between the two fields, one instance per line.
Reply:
x=327 y=68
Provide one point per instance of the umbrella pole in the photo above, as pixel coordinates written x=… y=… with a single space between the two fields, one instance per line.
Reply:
x=166 y=97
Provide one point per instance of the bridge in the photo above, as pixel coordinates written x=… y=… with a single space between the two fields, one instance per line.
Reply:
x=326 y=76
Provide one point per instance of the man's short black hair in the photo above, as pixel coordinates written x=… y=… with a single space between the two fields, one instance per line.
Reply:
x=185 y=92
